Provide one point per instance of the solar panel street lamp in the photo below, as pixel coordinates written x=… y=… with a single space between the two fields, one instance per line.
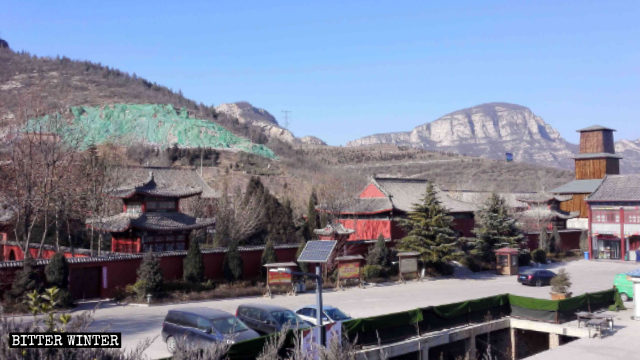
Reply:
x=317 y=252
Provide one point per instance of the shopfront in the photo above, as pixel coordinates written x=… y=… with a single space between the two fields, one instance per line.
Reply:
x=607 y=247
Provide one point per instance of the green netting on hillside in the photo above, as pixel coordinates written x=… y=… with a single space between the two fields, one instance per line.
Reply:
x=124 y=124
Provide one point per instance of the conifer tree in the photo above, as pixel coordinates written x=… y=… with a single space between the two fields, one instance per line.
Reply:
x=495 y=228
x=379 y=254
x=57 y=271
x=268 y=256
x=27 y=279
x=554 y=239
x=193 y=265
x=584 y=240
x=304 y=267
x=150 y=279
x=313 y=220
x=543 y=240
x=232 y=264
x=429 y=230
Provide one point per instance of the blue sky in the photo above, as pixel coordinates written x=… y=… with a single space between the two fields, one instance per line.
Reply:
x=351 y=69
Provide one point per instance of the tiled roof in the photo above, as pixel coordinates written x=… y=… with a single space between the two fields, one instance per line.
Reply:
x=618 y=188
x=405 y=192
x=543 y=197
x=350 y=257
x=594 y=128
x=335 y=228
x=367 y=206
x=150 y=221
x=578 y=187
x=481 y=197
x=544 y=212
x=163 y=182
x=596 y=156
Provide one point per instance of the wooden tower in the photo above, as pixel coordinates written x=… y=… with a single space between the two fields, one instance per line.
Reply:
x=597 y=156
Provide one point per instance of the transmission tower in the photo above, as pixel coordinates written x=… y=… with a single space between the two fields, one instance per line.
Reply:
x=286 y=118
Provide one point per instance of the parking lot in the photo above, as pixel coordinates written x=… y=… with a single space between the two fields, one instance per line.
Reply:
x=137 y=323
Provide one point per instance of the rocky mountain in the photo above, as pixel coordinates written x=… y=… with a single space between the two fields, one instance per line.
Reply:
x=487 y=130
x=630 y=151
x=249 y=115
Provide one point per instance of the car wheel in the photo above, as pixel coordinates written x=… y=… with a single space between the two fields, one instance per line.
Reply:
x=171 y=344
x=624 y=297
x=538 y=283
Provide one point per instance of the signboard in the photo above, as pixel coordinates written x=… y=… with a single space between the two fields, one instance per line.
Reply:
x=408 y=265
x=349 y=270
x=278 y=278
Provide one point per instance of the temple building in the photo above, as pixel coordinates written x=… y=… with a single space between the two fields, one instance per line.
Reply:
x=151 y=219
x=614 y=218
x=597 y=158
x=385 y=200
x=543 y=212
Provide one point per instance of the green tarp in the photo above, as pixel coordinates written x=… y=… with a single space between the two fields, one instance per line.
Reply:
x=154 y=124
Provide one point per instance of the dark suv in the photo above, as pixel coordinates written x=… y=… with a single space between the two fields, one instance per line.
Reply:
x=201 y=326
x=267 y=319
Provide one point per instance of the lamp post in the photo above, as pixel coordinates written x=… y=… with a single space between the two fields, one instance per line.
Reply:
x=318 y=278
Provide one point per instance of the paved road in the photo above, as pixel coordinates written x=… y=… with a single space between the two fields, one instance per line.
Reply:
x=137 y=323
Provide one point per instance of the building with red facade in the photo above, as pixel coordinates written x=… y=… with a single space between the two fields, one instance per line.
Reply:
x=151 y=218
x=386 y=200
x=614 y=218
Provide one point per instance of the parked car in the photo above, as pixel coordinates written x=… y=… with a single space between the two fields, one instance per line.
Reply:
x=624 y=285
x=267 y=319
x=201 y=326
x=537 y=277
x=331 y=314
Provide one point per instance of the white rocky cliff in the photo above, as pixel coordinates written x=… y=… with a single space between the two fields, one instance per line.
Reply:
x=487 y=130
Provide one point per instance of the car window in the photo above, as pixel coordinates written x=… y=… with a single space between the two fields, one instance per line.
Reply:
x=173 y=317
x=263 y=315
x=203 y=324
x=303 y=312
x=189 y=320
x=313 y=313
x=228 y=325
x=336 y=314
x=285 y=317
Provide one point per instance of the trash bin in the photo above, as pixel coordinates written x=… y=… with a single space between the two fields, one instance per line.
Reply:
x=637 y=255
x=586 y=255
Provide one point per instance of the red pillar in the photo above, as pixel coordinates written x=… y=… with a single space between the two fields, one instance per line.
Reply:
x=590 y=232
x=622 y=249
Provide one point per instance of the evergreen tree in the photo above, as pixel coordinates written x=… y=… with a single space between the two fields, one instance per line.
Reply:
x=554 y=240
x=150 y=279
x=543 y=240
x=304 y=267
x=57 y=274
x=584 y=240
x=313 y=220
x=232 y=264
x=27 y=279
x=268 y=256
x=192 y=264
x=57 y=271
x=495 y=228
x=379 y=254
x=429 y=230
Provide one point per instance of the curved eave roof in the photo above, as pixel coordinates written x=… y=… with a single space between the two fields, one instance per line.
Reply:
x=157 y=221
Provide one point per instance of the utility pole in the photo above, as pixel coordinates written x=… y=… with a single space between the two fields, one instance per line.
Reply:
x=286 y=118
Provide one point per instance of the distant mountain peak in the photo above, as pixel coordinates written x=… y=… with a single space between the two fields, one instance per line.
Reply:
x=487 y=130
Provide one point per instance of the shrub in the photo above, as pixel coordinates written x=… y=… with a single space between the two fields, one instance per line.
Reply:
x=472 y=263
x=27 y=279
x=57 y=274
x=524 y=259
x=193 y=266
x=149 y=277
x=379 y=254
x=232 y=264
x=561 y=282
x=371 y=272
x=440 y=268
x=539 y=256
x=268 y=256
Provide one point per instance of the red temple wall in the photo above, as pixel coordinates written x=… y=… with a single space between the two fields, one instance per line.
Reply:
x=367 y=229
